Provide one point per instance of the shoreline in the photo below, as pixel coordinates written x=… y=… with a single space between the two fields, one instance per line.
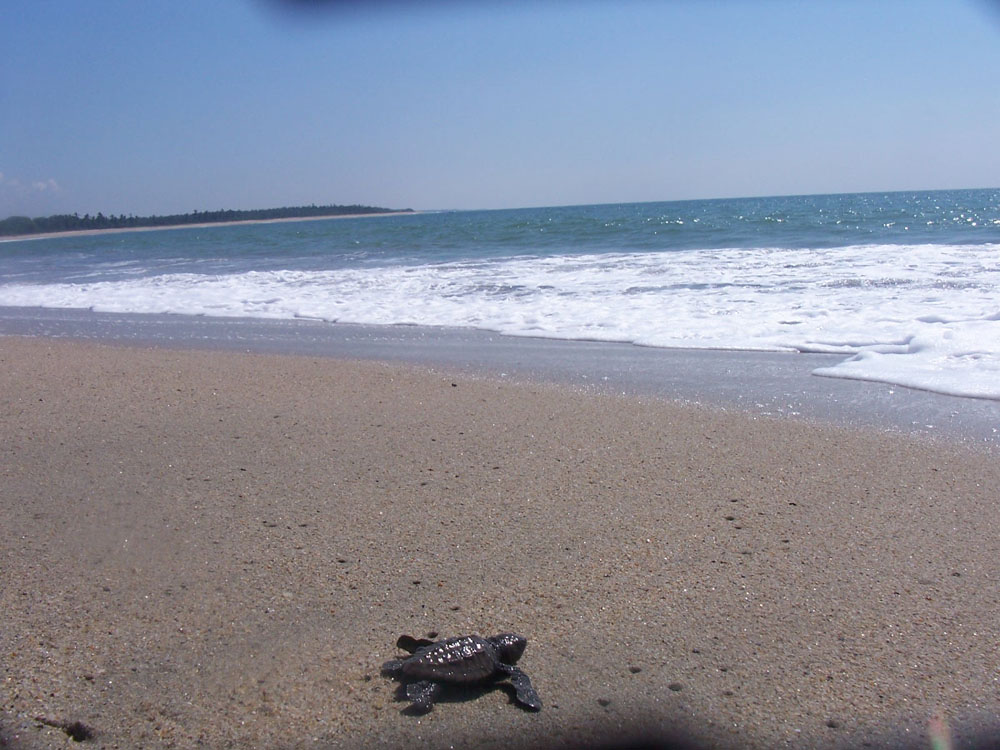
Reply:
x=759 y=383
x=200 y=225
x=221 y=547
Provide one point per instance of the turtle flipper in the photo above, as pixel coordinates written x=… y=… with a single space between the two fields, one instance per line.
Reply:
x=524 y=692
x=411 y=644
x=393 y=667
x=422 y=695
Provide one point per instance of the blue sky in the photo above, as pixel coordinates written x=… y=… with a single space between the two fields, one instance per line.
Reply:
x=160 y=107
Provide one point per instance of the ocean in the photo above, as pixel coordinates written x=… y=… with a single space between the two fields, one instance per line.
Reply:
x=906 y=286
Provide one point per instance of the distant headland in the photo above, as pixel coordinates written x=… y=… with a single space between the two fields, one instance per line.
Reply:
x=23 y=225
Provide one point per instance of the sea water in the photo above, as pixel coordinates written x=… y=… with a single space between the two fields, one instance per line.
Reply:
x=906 y=286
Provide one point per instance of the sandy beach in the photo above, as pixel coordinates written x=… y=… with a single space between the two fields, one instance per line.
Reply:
x=198 y=225
x=219 y=549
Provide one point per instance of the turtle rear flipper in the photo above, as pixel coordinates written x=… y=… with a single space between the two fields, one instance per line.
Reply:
x=393 y=667
x=411 y=644
x=422 y=695
x=524 y=692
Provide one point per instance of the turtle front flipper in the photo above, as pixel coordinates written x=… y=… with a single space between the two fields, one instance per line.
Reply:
x=422 y=695
x=524 y=692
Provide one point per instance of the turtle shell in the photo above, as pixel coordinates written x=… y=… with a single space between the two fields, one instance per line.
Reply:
x=468 y=658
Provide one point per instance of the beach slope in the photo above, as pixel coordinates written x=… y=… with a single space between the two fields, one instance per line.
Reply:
x=220 y=549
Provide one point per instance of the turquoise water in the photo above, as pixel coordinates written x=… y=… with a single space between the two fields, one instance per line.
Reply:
x=905 y=285
x=941 y=217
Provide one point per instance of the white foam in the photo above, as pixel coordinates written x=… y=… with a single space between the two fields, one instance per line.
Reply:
x=922 y=316
x=961 y=358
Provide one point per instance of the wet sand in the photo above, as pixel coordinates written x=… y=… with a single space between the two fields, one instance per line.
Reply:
x=761 y=383
x=220 y=549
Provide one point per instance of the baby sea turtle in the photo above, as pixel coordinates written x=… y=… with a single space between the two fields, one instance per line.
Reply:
x=465 y=660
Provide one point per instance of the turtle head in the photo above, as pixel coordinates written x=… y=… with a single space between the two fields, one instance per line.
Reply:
x=509 y=646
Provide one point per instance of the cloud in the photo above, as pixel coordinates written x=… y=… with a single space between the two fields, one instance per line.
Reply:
x=48 y=185
x=42 y=186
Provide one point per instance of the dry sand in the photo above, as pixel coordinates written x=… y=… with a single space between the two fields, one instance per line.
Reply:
x=219 y=550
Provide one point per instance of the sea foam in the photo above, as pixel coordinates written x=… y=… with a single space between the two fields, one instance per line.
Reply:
x=923 y=316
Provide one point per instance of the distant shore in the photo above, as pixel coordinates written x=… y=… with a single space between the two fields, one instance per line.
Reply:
x=199 y=225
